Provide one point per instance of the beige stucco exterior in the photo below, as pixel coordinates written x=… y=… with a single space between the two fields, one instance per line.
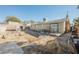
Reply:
x=60 y=27
x=9 y=26
x=56 y=26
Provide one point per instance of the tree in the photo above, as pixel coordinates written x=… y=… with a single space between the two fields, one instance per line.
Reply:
x=76 y=25
x=78 y=7
x=44 y=19
x=67 y=27
x=31 y=21
x=13 y=19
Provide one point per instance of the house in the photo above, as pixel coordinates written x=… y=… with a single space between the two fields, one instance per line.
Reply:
x=10 y=26
x=3 y=27
x=13 y=26
x=55 y=26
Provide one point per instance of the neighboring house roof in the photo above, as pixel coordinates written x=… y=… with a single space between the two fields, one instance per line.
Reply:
x=53 y=21
x=58 y=20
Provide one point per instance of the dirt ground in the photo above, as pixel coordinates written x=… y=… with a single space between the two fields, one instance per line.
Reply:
x=27 y=41
x=16 y=36
x=43 y=44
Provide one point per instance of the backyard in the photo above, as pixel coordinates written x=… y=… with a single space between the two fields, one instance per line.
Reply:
x=24 y=43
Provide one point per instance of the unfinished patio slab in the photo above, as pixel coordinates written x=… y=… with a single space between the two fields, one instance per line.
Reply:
x=10 y=48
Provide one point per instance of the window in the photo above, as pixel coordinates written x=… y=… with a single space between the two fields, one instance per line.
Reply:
x=54 y=27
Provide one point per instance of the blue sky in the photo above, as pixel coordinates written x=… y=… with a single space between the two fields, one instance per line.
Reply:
x=38 y=12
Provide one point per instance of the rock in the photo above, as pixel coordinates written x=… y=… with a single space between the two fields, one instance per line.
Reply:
x=3 y=37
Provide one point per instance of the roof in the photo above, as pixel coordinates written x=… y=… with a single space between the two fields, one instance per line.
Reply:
x=58 y=20
x=53 y=21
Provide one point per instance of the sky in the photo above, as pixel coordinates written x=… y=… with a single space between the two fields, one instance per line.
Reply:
x=38 y=12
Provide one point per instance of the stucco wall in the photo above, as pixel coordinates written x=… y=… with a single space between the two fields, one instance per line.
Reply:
x=62 y=27
x=39 y=27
